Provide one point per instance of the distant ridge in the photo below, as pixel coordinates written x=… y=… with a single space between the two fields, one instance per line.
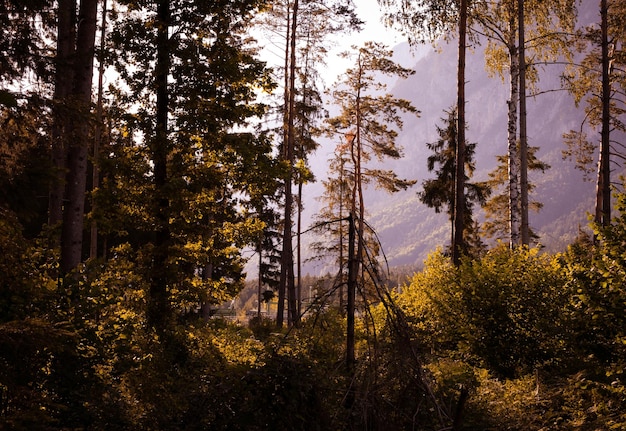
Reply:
x=408 y=230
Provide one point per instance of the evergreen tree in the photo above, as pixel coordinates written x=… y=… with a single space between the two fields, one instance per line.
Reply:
x=367 y=121
x=191 y=80
x=497 y=207
x=440 y=191
x=306 y=27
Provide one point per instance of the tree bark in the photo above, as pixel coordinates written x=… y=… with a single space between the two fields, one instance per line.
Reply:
x=351 y=300
x=282 y=282
x=459 y=181
x=513 y=153
x=93 y=242
x=523 y=138
x=66 y=44
x=287 y=265
x=77 y=160
x=603 y=195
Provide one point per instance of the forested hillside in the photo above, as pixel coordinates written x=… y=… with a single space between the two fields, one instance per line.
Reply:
x=566 y=194
x=153 y=165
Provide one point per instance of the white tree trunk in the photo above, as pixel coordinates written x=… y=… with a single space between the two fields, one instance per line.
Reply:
x=514 y=160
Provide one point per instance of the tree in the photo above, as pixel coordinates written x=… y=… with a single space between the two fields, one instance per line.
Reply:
x=429 y=19
x=501 y=22
x=331 y=221
x=598 y=81
x=367 y=121
x=497 y=207
x=26 y=32
x=70 y=132
x=189 y=79
x=306 y=26
x=440 y=191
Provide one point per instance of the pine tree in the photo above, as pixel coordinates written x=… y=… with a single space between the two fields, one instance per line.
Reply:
x=367 y=122
x=497 y=207
x=186 y=104
x=306 y=27
x=440 y=192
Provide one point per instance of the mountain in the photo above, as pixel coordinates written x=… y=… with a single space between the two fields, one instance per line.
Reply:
x=408 y=230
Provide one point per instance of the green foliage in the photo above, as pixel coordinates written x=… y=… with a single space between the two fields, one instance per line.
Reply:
x=26 y=29
x=538 y=340
x=597 y=275
x=497 y=212
x=501 y=311
x=25 y=171
x=439 y=192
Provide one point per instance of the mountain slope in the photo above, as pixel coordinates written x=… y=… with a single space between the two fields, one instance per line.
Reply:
x=408 y=230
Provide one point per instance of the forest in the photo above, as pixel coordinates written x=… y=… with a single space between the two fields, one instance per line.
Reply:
x=152 y=169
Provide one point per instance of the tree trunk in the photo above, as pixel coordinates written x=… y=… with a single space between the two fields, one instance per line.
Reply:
x=259 y=249
x=93 y=242
x=603 y=200
x=299 y=251
x=282 y=283
x=459 y=181
x=77 y=160
x=514 y=201
x=158 y=310
x=66 y=39
x=352 y=281
x=523 y=138
x=287 y=255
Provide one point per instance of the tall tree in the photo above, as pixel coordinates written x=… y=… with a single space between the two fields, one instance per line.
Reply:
x=440 y=191
x=523 y=136
x=368 y=121
x=287 y=280
x=190 y=78
x=66 y=35
x=459 y=180
x=77 y=137
x=500 y=23
x=598 y=81
x=306 y=27
x=428 y=20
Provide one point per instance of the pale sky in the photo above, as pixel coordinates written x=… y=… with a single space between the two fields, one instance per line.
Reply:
x=373 y=30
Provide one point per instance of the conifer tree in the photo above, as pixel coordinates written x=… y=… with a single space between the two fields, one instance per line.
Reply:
x=598 y=81
x=191 y=78
x=497 y=207
x=439 y=192
x=368 y=122
x=306 y=27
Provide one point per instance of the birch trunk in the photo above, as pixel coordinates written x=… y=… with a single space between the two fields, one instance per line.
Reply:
x=523 y=138
x=513 y=153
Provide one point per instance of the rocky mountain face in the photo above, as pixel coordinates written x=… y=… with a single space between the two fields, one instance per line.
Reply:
x=409 y=230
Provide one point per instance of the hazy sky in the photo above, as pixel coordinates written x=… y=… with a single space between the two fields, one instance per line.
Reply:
x=373 y=30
